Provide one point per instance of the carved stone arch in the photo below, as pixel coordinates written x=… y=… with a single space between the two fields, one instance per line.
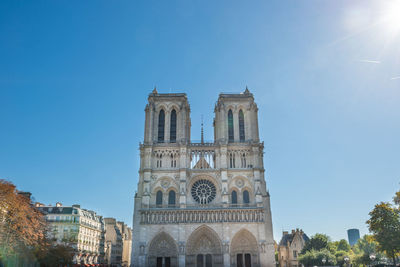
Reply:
x=165 y=182
x=174 y=106
x=243 y=108
x=251 y=195
x=162 y=245
x=232 y=107
x=161 y=106
x=204 y=241
x=153 y=197
x=239 y=181
x=244 y=243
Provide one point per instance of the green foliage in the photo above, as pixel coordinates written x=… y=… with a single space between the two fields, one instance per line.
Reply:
x=58 y=255
x=384 y=223
x=343 y=245
x=317 y=242
x=341 y=254
x=314 y=258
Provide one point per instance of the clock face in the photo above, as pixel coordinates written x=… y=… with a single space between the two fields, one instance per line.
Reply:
x=203 y=191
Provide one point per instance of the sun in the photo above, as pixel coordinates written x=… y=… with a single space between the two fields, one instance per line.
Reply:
x=390 y=17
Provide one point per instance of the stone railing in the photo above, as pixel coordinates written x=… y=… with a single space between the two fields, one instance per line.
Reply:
x=165 y=216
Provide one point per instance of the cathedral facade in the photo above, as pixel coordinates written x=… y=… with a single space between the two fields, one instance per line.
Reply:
x=202 y=204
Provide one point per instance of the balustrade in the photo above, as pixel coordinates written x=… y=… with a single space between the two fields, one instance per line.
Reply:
x=153 y=216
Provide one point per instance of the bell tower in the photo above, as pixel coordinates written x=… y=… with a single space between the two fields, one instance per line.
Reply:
x=236 y=118
x=167 y=118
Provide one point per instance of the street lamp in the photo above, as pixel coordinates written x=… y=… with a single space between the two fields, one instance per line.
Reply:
x=323 y=261
x=372 y=258
x=347 y=259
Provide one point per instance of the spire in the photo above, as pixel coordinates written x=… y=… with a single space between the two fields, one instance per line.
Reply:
x=246 y=92
x=155 y=90
x=202 y=130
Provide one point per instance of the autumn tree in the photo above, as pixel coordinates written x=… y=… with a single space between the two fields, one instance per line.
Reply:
x=21 y=225
x=384 y=223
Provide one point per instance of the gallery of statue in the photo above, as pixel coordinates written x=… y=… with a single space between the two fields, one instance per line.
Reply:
x=199 y=203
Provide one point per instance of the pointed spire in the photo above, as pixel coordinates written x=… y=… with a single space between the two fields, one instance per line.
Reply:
x=246 y=92
x=155 y=90
x=202 y=130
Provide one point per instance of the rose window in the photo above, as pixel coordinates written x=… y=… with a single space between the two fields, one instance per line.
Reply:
x=203 y=191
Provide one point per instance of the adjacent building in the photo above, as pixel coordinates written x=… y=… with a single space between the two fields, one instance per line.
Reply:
x=353 y=235
x=202 y=203
x=118 y=243
x=96 y=240
x=79 y=228
x=290 y=247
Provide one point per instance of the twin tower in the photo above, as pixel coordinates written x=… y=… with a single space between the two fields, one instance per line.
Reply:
x=202 y=204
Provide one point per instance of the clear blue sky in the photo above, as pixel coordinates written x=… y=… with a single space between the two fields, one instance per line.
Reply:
x=75 y=76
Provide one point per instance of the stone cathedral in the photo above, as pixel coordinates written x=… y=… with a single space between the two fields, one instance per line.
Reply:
x=198 y=203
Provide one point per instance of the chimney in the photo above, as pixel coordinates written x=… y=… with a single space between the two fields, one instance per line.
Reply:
x=293 y=232
x=285 y=232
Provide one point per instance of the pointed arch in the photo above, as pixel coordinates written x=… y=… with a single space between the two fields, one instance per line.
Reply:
x=161 y=126
x=230 y=126
x=163 y=246
x=172 y=129
x=244 y=249
x=241 y=126
x=246 y=197
x=171 y=198
x=159 y=198
x=234 y=199
x=203 y=240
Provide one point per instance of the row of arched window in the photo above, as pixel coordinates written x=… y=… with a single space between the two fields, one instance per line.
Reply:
x=246 y=197
x=231 y=127
x=170 y=161
x=171 y=198
x=161 y=127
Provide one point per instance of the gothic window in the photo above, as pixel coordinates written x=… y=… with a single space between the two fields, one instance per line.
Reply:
x=159 y=197
x=241 y=126
x=243 y=160
x=230 y=126
x=234 y=197
x=232 y=160
x=159 y=161
x=203 y=191
x=171 y=197
x=173 y=161
x=172 y=131
x=246 y=197
x=161 y=123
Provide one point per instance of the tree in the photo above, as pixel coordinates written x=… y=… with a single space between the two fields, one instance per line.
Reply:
x=21 y=225
x=313 y=257
x=55 y=255
x=384 y=223
x=343 y=245
x=364 y=248
x=317 y=242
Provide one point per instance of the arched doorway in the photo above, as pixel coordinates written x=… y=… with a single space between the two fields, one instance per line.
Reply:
x=204 y=248
x=163 y=251
x=244 y=250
